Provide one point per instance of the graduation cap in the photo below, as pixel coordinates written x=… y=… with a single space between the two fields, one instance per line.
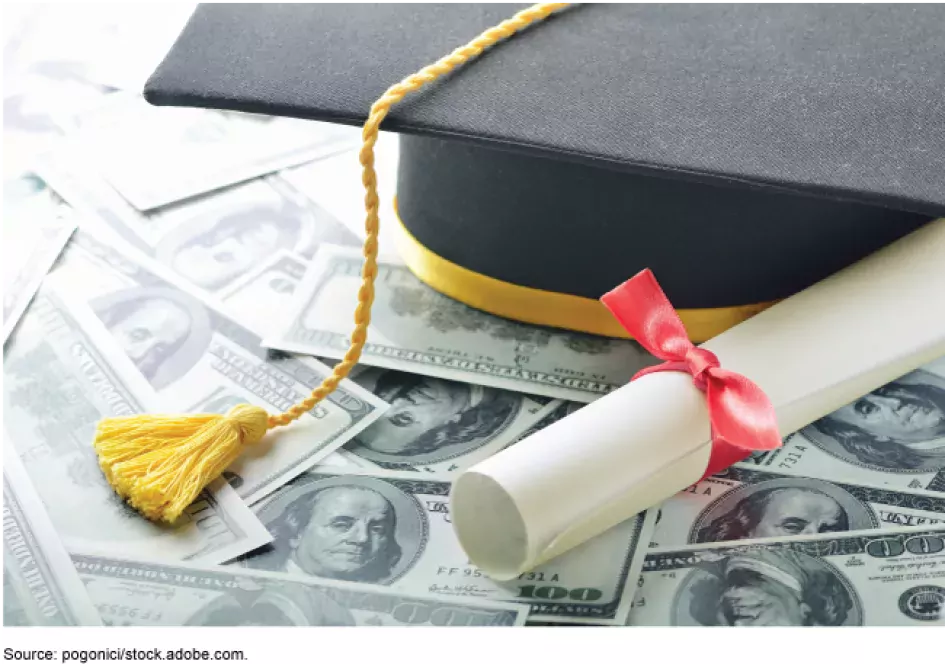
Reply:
x=740 y=152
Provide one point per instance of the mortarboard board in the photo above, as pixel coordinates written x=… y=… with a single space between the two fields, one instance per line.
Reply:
x=742 y=152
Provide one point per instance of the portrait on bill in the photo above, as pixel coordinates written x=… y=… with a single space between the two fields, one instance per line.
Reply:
x=42 y=97
x=218 y=239
x=279 y=605
x=431 y=419
x=781 y=508
x=162 y=330
x=766 y=587
x=898 y=427
x=351 y=528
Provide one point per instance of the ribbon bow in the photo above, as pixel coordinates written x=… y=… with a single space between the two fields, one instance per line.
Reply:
x=741 y=415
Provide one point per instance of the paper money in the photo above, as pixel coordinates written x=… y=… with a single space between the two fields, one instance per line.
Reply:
x=745 y=503
x=59 y=381
x=199 y=360
x=394 y=529
x=109 y=44
x=259 y=298
x=439 y=426
x=132 y=40
x=244 y=248
x=132 y=592
x=335 y=183
x=154 y=156
x=415 y=329
x=40 y=96
x=562 y=410
x=36 y=227
x=894 y=435
x=893 y=578
x=40 y=584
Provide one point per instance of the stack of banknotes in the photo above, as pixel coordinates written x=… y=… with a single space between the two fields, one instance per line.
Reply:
x=169 y=260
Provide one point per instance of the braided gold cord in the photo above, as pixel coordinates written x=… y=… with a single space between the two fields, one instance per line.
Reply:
x=379 y=110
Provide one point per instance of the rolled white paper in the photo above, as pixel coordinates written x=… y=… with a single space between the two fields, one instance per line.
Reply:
x=630 y=450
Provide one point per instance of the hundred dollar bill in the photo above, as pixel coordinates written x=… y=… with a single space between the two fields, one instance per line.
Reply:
x=40 y=584
x=394 y=529
x=415 y=329
x=439 y=426
x=36 y=227
x=335 y=183
x=139 y=593
x=119 y=46
x=199 y=360
x=259 y=297
x=154 y=156
x=60 y=379
x=562 y=410
x=894 y=435
x=892 y=578
x=244 y=248
x=745 y=503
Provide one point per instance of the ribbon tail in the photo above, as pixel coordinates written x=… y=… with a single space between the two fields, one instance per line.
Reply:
x=743 y=419
x=722 y=455
x=642 y=308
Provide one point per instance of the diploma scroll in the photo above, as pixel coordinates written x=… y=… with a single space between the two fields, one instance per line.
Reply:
x=630 y=450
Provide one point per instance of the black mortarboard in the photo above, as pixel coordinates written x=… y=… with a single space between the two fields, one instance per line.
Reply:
x=742 y=152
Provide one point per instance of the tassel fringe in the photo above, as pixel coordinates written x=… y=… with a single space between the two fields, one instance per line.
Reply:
x=160 y=464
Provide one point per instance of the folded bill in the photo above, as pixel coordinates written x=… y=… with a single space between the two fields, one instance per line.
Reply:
x=154 y=156
x=60 y=379
x=415 y=329
x=134 y=592
x=200 y=360
x=747 y=503
x=393 y=529
x=36 y=227
x=40 y=584
x=872 y=579
x=439 y=426
x=894 y=435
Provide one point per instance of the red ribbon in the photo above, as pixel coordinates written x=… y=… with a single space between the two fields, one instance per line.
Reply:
x=741 y=415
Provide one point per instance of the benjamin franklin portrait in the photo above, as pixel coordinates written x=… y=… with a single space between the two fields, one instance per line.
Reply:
x=284 y=605
x=222 y=238
x=431 y=419
x=899 y=427
x=781 y=508
x=162 y=330
x=350 y=528
x=765 y=587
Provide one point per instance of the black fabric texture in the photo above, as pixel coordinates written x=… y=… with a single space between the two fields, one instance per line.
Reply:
x=568 y=228
x=839 y=101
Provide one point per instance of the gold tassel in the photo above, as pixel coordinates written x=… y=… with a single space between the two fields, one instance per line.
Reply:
x=161 y=464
